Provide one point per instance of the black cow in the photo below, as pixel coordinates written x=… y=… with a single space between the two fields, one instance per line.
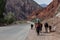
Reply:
x=46 y=27
x=31 y=26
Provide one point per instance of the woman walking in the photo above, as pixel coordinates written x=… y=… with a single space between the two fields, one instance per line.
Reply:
x=39 y=28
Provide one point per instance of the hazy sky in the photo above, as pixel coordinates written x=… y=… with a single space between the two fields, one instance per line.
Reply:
x=43 y=1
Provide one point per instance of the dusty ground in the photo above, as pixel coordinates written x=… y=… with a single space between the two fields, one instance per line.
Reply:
x=55 y=22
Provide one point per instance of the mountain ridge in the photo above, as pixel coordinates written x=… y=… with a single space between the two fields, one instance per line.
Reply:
x=21 y=8
x=48 y=12
x=43 y=5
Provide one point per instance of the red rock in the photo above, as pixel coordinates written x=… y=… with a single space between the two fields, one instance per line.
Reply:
x=47 y=12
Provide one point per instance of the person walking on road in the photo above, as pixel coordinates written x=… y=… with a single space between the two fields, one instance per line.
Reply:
x=39 y=28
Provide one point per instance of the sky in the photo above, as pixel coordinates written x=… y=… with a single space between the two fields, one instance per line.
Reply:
x=43 y=1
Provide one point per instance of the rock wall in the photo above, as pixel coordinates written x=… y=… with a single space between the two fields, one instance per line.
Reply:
x=21 y=8
x=49 y=11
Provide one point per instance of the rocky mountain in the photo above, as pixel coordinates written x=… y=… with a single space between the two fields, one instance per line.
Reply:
x=48 y=12
x=21 y=8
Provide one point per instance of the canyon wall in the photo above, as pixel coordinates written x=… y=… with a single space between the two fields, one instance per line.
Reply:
x=48 y=12
x=21 y=8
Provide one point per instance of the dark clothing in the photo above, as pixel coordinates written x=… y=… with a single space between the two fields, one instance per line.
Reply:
x=39 y=28
x=46 y=27
x=31 y=26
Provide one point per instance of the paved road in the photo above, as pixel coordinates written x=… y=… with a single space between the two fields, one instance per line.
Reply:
x=14 y=32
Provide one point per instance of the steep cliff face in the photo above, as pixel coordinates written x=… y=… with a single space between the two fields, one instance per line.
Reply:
x=58 y=11
x=21 y=8
x=48 y=12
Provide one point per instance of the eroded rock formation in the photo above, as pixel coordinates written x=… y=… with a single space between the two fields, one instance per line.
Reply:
x=48 y=12
x=21 y=8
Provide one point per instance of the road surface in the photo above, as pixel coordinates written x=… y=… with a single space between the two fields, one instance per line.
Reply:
x=55 y=23
x=14 y=32
x=43 y=36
